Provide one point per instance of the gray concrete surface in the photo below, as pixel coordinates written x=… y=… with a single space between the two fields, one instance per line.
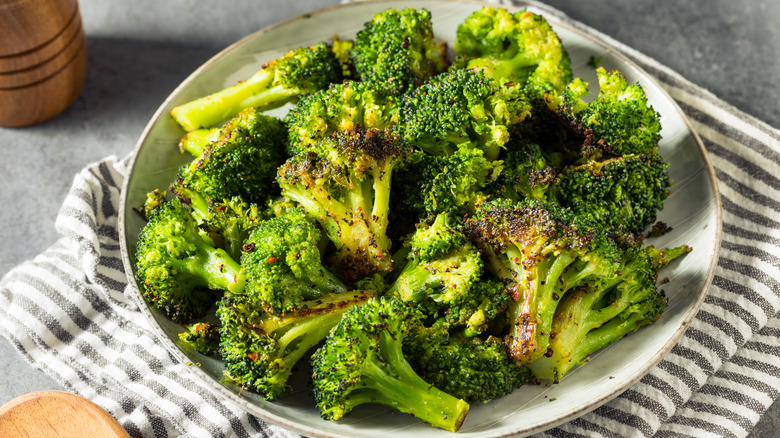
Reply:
x=140 y=50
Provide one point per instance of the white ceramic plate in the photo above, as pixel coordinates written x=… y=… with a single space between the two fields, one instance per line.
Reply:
x=693 y=210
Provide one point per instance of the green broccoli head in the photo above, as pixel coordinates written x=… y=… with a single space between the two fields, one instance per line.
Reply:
x=619 y=193
x=202 y=337
x=283 y=266
x=347 y=189
x=176 y=269
x=620 y=121
x=469 y=368
x=520 y=47
x=228 y=224
x=362 y=361
x=242 y=162
x=542 y=251
x=341 y=107
x=260 y=350
x=526 y=174
x=462 y=106
x=299 y=72
x=396 y=50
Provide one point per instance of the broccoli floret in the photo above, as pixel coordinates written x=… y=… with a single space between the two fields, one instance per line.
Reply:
x=541 y=251
x=429 y=185
x=437 y=239
x=228 y=224
x=348 y=192
x=526 y=173
x=520 y=47
x=601 y=313
x=396 y=51
x=242 y=162
x=618 y=122
x=202 y=337
x=260 y=350
x=283 y=266
x=299 y=72
x=154 y=200
x=176 y=268
x=459 y=107
x=362 y=361
x=469 y=368
x=341 y=107
x=624 y=192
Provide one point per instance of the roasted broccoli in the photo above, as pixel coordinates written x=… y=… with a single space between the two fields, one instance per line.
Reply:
x=619 y=121
x=195 y=142
x=176 y=268
x=526 y=174
x=341 y=107
x=542 y=251
x=592 y=317
x=301 y=71
x=520 y=47
x=362 y=361
x=469 y=368
x=348 y=192
x=282 y=264
x=260 y=350
x=202 y=337
x=461 y=106
x=242 y=162
x=396 y=50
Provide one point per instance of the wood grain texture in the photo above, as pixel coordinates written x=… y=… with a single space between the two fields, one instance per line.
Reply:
x=28 y=24
x=56 y=414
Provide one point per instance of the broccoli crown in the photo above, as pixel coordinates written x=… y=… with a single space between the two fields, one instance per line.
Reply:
x=619 y=121
x=202 y=337
x=362 y=361
x=599 y=314
x=242 y=162
x=348 y=192
x=520 y=47
x=299 y=72
x=430 y=185
x=229 y=222
x=283 y=266
x=526 y=173
x=176 y=268
x=542 y=250
x=341 y=107
x=459 y=107
x=260 y=350
x=469 y=368
x=434 y=240
x=396 y=50
x=624 y=192
x=154 y=200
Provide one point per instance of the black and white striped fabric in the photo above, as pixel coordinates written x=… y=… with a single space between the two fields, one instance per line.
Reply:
x=67 y=311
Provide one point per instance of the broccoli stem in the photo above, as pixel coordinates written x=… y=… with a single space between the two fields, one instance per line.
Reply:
x=394 y=383
x=411 y=283
x=212 y=264
x=195 y=142
x=215 y=108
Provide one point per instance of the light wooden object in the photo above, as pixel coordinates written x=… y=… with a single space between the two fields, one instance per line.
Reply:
x=56 y=414
x=43 y=59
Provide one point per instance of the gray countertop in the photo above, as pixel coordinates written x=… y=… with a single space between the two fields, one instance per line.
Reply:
x=141 y=49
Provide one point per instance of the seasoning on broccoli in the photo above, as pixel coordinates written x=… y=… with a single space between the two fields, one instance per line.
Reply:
x=362 y=361
x=202 y=337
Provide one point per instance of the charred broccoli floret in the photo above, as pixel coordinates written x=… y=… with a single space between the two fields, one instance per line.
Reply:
x=348 y=192
x=599 y=314
x=341 y=107
x=396 y=50
x=362 y=361
x=520 y=47
x=260 y=350
x=526 y=174
x=542 y=252
x=620 y=121
x=462 y=106
x=300 y=71
x=202 y=337
x=176 y=268
x=282 y=264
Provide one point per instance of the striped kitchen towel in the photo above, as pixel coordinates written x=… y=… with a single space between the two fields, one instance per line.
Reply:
x=69 y=313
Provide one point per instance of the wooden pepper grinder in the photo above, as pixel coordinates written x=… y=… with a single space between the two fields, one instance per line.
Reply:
x=43 y=59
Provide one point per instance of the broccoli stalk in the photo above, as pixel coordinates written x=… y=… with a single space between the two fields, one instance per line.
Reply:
x=260 y=350
x=542 y=251
x=595 y=316
x=362 y=361
x=300 y=71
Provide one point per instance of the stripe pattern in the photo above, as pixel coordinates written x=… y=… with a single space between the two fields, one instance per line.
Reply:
x=69 y=312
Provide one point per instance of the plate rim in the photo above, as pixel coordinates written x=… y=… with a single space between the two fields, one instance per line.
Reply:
x=282 y=421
